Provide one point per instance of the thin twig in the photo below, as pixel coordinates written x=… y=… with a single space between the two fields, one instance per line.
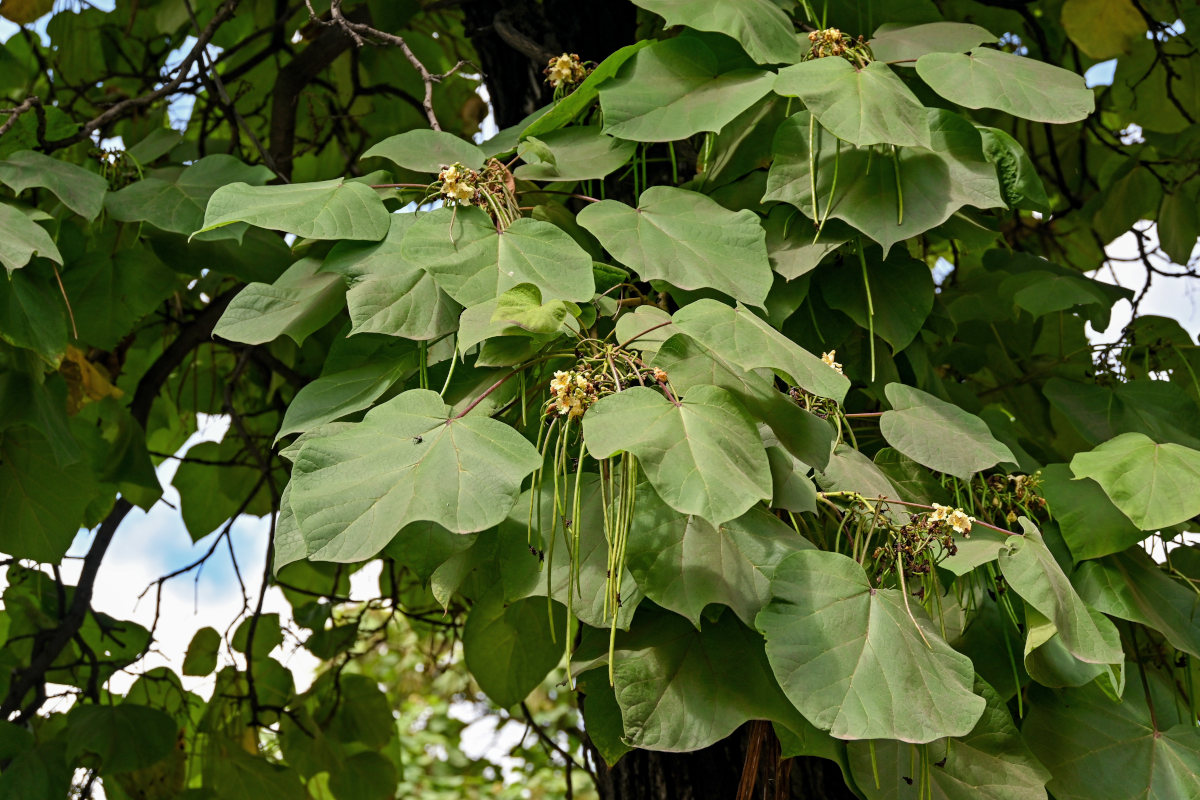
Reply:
x=363 y=34
x=28 y=103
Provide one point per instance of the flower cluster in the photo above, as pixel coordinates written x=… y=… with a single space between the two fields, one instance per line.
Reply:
x=571 y=392
x=832 y=42
x=916 y=546
x=956 y=518
x=566 y=71
x=459 y=184
x=1015 y=495
x=828 y=358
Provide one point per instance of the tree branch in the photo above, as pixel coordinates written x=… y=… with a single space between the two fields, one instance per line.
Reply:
x=28 y=103
x=119 y=110
x=362 y=34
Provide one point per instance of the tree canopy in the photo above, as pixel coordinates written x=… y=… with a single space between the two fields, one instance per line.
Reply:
x=744 y=393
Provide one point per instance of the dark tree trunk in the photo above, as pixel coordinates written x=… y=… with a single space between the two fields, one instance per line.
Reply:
x=515 y=39
x=716 y=773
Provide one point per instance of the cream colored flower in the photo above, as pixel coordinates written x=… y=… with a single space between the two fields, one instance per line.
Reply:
x=959 y=520
x=561 y=381
x=562 y=70
x=939 y=513
x=457 y=183
x=828 y=358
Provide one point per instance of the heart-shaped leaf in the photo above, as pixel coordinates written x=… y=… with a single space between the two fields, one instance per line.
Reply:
x=861 y=106
x=21 y=239
x=408 y=460
x=1155 y=485
x=746 y=340
x=1030 y=569
x=427 y=151
x=334 y=209
x=674 y=89
x=850 y=658
x=1023 y=87
x=887 y=202
x=686 y=239
x=938 y=434
x=703 y=456
x=683 y=689
x=684 y=563
x=473 y=262
x=761 y=27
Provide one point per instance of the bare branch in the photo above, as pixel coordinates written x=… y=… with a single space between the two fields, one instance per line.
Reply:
x=119 y=110
x=363 y=34
x=28 y=103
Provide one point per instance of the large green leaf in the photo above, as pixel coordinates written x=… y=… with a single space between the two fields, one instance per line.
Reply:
x=577 y=153
x=1155 y=485
x=850 y=658
x=80 y=190
x=1131 y=586
x=1023 y=87
x=108 y=295
x=509 y=647
x=1098 y=749
x=703 y=456
x=938 y=434
x=674 y=89
x=901 y=298
x=334 y=209
x=408 y=460
x=1160 y=409
x=473 y=263
x=686 y=239
x=762 y=28
x=992 y=762
x=21 y=239
x=300 y=302
x=124 y=737
x=689 y=363
x=684 y=563
x=41 y=503
x=427 y=151
x=868 y=191
x=1090 y=524
x=176 y=203
x=898 y=42
x=388 y=293
x=747 y=341
x=32 y=312
x=681 y=689
x=861 y=106
x=1030 y=569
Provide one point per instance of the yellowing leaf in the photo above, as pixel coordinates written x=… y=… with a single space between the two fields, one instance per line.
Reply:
x=24 y=12
x=1102 y=28
x=85 y=383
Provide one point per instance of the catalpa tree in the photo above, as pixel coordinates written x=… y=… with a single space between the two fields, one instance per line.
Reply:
x=744 y=415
